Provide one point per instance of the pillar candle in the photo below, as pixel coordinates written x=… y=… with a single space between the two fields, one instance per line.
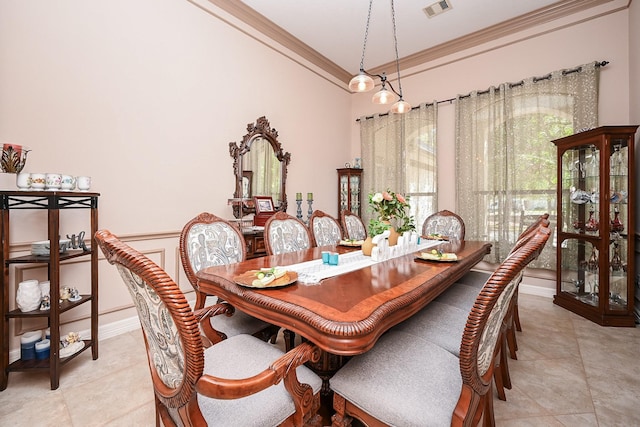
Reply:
x=309 y=196
x=298 y=196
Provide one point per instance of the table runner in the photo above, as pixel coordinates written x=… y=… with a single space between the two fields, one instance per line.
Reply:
x=312 y=272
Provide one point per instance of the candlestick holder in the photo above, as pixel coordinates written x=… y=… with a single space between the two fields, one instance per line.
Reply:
x=310 y=211
x=299 y=211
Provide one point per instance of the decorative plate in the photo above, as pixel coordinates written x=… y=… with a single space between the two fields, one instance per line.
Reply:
x=352 y=243
x=440 y=257
x=248 y=278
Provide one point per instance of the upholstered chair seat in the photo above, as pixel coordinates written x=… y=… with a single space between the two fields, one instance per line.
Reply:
x=459 y=295
x=325 y=229
x=249 y=357
x=441 y=324
x=403 y=381
x=353 y=226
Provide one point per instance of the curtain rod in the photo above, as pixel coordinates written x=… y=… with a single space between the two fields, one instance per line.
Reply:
x=520 y=83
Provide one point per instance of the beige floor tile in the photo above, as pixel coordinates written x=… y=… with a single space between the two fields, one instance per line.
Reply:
x=143 y=416
x=124 y=391
x=569 y=372
x=41 y=409
x=518 y=405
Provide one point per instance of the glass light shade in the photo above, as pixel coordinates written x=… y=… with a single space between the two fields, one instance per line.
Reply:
x=400 y=107
x=361 y=83
x=383 y=96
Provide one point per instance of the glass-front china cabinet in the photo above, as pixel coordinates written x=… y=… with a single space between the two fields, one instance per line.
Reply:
x=596 y=191
x=349 y=189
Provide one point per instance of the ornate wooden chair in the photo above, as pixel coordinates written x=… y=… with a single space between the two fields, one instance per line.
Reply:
x=478 y=278
x=443 y=320
x=238 y=381
x=406 y=379
x=284 y=233
x=208 y=240
x=444 y=223
x=325 y=229
x=353 y=226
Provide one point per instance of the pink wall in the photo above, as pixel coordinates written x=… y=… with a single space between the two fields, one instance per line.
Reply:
x=145 y=96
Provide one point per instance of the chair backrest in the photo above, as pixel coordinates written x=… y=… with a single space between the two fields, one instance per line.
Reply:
x=284 y=233
x=208 y=240
x=353 y=226
x=444 y=223
x=530 y=231
x=172 y=335
x=325 y=229
x=479 y=341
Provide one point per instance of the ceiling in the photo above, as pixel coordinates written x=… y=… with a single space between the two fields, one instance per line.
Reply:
x=330 y=33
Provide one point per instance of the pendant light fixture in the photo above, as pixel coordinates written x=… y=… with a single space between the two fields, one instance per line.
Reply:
x=364 y=82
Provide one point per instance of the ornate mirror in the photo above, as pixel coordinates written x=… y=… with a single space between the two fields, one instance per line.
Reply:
x=260 y=167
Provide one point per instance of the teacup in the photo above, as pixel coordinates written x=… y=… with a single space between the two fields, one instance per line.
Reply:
x=38 y=181
x=23 y=180
x=68 y=182
x=53 y=180
x=84 y=183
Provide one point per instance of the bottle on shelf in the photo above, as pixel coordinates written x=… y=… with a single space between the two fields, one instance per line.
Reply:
x=616 y=224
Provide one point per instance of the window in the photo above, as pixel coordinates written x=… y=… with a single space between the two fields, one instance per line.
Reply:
x=505 y=160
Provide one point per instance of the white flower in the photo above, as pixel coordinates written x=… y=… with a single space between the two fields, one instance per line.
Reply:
x=377 y=198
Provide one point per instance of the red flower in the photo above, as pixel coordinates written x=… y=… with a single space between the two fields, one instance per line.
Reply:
x=401 y=198
x=387 y=196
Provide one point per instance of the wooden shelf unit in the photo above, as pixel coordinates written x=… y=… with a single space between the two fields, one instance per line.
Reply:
x=53 y=202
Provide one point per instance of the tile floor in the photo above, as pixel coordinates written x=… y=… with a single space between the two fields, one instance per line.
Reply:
x=569 y=372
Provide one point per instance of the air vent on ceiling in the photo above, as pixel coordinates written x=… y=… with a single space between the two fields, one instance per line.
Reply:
x=437 y=8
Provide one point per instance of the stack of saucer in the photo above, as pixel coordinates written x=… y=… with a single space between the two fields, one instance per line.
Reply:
x=42 y=247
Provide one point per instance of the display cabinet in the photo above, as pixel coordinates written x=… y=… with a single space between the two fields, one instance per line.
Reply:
x=595 y=244
x=54 y=202
x=349 y=190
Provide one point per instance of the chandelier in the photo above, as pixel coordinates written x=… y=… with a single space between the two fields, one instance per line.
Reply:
x=363 y=82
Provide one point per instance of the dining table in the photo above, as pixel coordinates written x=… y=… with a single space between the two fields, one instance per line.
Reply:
x=346 y=313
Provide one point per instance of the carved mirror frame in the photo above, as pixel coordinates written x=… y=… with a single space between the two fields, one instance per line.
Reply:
x=260 y=129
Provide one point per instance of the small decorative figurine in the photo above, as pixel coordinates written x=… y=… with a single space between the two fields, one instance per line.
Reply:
x=45 y=304
x=74 y=294
x=81 y=244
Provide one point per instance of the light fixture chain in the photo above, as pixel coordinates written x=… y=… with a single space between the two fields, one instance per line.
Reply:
x=395 y=41
x=366 y=36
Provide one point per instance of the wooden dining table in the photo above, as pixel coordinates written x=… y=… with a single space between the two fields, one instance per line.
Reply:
x=345 y=314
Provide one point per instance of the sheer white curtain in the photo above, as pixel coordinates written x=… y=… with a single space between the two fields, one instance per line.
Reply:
x=505 y=160
x=399 y=153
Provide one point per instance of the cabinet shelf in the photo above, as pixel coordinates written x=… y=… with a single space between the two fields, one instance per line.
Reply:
x=54 y=202
x=596 y=195
x=35 y=259
x=65 y=305
x=44 y=364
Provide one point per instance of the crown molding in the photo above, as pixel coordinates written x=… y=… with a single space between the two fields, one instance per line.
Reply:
x=540 y=16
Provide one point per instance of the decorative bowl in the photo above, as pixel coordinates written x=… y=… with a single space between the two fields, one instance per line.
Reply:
x=13 y=158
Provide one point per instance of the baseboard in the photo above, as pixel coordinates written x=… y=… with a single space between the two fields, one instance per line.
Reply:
x=541 y=291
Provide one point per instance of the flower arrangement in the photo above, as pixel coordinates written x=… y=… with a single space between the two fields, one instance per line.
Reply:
x=389 y=205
